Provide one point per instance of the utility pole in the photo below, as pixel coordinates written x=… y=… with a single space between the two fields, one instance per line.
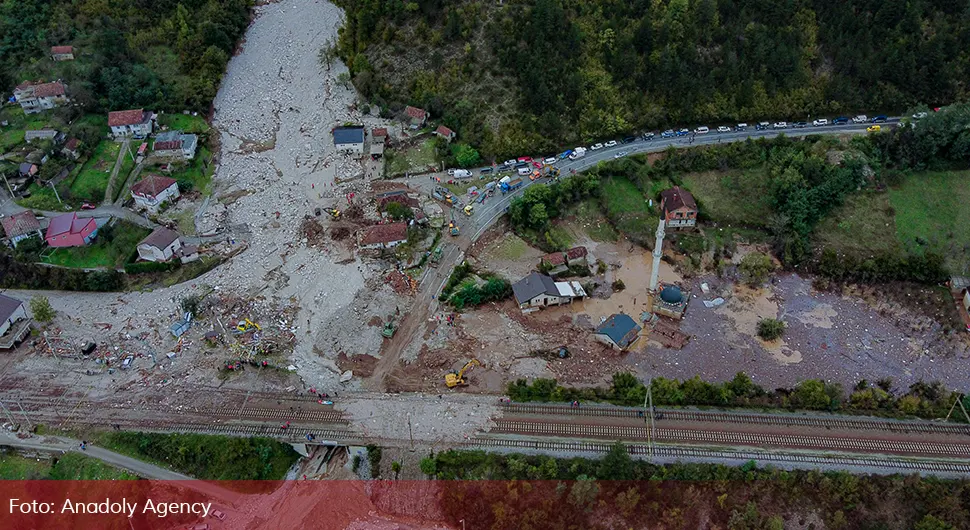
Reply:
x=410 y=432
x=7 y=411
x=8 y=185
x=51 y=182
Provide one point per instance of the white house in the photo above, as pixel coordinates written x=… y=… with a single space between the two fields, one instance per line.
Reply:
x=161 y=245
x=536 y=291
x=349 y=139
x=384 y=236
x=174 y=144
x=62 y=53
x=137 y=123
x=153 y=190
x=14 y=324
x=36 y=97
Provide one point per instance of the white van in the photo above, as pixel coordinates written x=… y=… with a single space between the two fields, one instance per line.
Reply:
x=524 y=171
x=462 y=174
x=702 y=130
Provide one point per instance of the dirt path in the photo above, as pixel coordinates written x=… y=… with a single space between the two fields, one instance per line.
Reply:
x=109 y=190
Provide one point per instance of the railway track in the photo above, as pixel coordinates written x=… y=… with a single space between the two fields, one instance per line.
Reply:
x=733 y=417
x=664 y=451
x=846 y=444
x=322 y=416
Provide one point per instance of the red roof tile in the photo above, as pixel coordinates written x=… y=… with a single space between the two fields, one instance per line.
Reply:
x=385 y=234
x=676 y=198
x=165 y=146
x=576 y=253
x=379 y=132
x=556 y=258
x=72 y=144
x=57 y=50
x=126 y=117
x=21 y=223
x=444 y=131
x=44 y=90
x=152 y=185
x=415 y=112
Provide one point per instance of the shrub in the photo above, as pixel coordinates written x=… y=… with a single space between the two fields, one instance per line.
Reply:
x=755 y=268
x=618 y=285
x=771 y=329
x=41 y=308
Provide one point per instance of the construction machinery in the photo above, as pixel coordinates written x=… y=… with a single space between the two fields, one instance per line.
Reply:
x=389 y=329
x=469 y=210
x=453 y=379
x=245 y=326
x=335 y=213
x=452 y=227
x=436 y=257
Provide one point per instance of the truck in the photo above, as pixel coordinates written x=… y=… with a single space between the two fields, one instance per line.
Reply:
x=510 y=186
x=578 y=153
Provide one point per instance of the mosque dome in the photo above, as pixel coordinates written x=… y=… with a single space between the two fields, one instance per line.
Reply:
x=671 y=294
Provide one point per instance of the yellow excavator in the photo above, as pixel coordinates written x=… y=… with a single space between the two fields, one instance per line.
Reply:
x=453 y=379
x=335 y=213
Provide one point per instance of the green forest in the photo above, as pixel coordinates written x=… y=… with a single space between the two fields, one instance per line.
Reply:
x=129 y=53
x=532 y=75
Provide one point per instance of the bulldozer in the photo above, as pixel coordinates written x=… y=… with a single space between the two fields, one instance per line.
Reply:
x=245 y=326
x=452 y=227
x=453 y=379
x=389 y=329
x=335 y=213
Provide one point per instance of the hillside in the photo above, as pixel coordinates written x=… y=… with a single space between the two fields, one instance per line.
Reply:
x=129 y=53
x=538 y=74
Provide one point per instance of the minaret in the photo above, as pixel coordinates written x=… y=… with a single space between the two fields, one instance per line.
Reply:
x=657 y=253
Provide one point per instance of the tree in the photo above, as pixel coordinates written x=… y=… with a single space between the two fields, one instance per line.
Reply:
x=929 y=522
x=771 y=329
x=465 y=155
x=617 y=464
x=396 y=468
x=755 y=268
x=40 y=306
x=429 y=466
x=398 y=211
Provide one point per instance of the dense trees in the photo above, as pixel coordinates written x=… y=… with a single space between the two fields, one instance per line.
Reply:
x=130 y=53
x=581 y=70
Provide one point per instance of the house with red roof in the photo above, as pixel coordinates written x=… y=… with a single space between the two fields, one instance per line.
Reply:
x=70 y=148
x=151 y=191
x=36 y=96
x=445 y=133
x=137 y=123
x=384 y=236
x=20 y=226
x=415 y=116
x=70 y=231
x=679 y=208
x=62 y=53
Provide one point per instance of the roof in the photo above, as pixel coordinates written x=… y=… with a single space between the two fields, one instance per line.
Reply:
x=67 y=223
x=555 y=258
x=72 y=144
x=400 y=197
x=532 y=286
x=189 y=141
x=62 y=49
x=8 y=306
x=152 y=185
x=126 y=117
x=168 y=136
x=570 y=289
x=165 y=146
x=415 y=112
x=385 y=234
x=576 y=253
x=676 y=198
x=444 y=131
x=620 y=328
x=671 y=294
x=160 y=238
x=21 y=223
x=44 y=90
x=348 y=135
x=378 y=132
x=27 y=168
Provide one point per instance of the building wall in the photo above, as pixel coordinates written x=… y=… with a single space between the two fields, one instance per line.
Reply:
x=544 y=300
x=168 y=194
x=351 y=148
x=139 y=130
x=681 y=218
x=151 y=253
x=19 y=314
x=605 y=339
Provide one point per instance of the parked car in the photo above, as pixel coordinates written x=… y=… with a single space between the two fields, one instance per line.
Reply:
x=525 y=159
x=451 y=172
x=862 y=118
x=762 y=126
x=510 y=162
x=565 y=154
x=780 y=125
x=882 y=118
x=669 y=133
x=550 y=160
x=821 y=122
x=683 y=132
x=648 y=136
x=621 y=154
x=611 y=143
x=629 y=139
x=740 y=126
x=485 y=170
x=520 y=165
x=841 y=120
x=88 y=206
x=800 y=124
x=723 y=129
x=536 y=164
x=595 y=147
x=920 y=115
x=702 y=130
x=524 y=170
x=873 y=128
x=219 y=515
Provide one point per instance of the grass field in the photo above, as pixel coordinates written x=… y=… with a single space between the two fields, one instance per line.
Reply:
x=586 y=217
x=628 y=209
x=90 y=183
x=43 y=198
x=863 y=226
x=18 y=122
x=195 y=172
x=511 y=248
x=71 y=466
x=933 y=213
x=186 y=123
x=110 y=249
x=414 y=159
x=733 y=197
